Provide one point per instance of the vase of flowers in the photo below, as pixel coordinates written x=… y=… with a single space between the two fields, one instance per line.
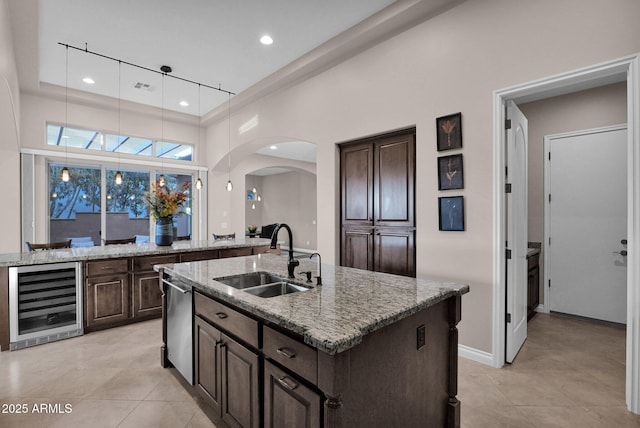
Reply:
x=164 y=204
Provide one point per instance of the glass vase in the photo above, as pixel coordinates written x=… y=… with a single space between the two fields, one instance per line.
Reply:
x=164 y=231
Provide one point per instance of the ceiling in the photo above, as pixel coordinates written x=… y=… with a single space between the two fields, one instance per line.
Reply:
x=213 y=42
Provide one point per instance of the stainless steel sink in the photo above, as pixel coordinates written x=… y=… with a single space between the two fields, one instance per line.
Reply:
x=261 y=284
x=247 y=280
x=276 y=289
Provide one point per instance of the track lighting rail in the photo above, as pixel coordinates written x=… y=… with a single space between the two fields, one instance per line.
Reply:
x=86 y=50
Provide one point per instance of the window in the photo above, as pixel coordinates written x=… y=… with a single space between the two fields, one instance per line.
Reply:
x=58 y=135
x=76 y=209
x=127 y=212
x=74 y=206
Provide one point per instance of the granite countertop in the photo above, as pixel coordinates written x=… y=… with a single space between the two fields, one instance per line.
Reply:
x=332 y=317
x=116 y=251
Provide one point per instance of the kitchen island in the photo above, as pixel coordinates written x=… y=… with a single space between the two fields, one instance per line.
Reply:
x=363 y=349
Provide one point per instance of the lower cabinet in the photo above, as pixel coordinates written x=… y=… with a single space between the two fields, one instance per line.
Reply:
x=147 y=297
x=227 y=375
x=107 y=300
x=107 y=292
x=287 y=402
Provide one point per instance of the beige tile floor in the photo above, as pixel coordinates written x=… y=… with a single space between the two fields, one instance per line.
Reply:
x=570 y=373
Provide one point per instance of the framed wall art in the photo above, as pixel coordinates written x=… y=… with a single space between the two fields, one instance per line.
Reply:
x=451 y=213
x=450 y=173
x=449 y=132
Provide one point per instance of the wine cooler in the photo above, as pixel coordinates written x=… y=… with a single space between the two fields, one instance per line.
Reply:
x=45 y=303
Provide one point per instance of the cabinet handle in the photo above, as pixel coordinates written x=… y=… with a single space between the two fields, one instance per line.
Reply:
x=222 y=315
x=285 y=353
x=288 y=385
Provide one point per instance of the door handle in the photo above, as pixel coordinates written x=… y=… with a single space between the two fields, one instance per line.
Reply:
x=622 y=253
x=623 y=242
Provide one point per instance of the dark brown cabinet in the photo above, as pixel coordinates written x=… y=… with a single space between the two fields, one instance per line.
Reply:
x=207 y=340
x=226 y=372
x=240 y=384
x=146 y=294
x=107 y=293
x=377 y=181
x=287 y=401
x=533 y=285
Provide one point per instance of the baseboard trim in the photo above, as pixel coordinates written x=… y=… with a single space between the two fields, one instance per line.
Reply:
x=476 y=355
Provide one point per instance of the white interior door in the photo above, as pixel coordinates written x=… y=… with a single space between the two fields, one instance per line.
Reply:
x=586 y=273
x=517 y=225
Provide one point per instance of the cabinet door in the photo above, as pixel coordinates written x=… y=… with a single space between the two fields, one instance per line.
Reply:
x=395 y=251
x=357 y=248
x=107 y=300
x=207 y=340
x=147 y=296
x=240 y=383
x=394 y=181
x=356 y=183
x=287 y=402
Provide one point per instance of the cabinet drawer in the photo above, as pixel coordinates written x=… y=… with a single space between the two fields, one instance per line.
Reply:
x=222 y=316
x=199 y=255
x=144 y=264
x=292 y=354
x=235 y=252
x=263 y=249
x=107 y=267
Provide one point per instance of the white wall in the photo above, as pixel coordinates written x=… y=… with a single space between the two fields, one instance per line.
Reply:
x=288 y=197
x=291 y=198
x=451 y=63
x=9 y=137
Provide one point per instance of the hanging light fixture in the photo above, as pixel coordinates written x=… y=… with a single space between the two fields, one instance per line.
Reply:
x=229 y=183
x=118 y=177
x=199 y=180
x=65 y=174
x=161 y=180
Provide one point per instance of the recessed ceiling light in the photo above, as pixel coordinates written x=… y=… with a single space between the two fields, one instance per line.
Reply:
x=184 y=104
x=88 y=80
x=273 y=147
x=266 y=40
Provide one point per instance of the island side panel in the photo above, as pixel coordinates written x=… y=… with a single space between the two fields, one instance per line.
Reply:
x=453 y=407
x=394 y=381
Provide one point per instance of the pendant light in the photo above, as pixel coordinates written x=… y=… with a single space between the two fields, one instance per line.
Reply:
x=65 y=174
x=118 y=177
x=161 y=180
x=229 y=183
x=199 y=180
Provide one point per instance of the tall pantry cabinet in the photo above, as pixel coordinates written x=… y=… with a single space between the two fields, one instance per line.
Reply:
x=377 y=181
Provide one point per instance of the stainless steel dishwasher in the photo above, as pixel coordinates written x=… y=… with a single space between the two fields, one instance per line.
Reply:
x=179 y=326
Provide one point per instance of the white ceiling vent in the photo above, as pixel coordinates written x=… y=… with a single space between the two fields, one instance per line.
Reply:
x=144 y=86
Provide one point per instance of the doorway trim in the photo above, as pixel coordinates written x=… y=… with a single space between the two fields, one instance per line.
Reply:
x=624 y=69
